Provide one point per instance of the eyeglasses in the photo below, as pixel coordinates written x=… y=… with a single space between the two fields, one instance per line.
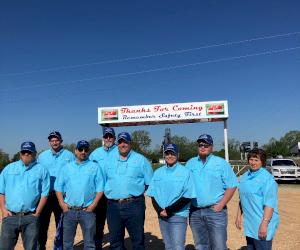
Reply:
x=83 y=149
x=107 y=136
x=202 y=145
x=26 y=152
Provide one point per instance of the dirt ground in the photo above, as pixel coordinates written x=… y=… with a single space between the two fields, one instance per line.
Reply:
x=287 y=236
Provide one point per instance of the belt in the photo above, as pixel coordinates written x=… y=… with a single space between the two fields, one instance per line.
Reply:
x=197 y=208
x=77 y=208
x=125 y=200
x=22 y=213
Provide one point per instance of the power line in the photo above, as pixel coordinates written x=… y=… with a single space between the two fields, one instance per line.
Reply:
x=152 y=55
x=155 y=69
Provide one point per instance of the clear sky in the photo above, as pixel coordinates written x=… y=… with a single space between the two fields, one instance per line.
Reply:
x=60 y=60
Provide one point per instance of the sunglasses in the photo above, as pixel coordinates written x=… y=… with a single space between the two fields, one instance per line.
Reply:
x=26 y=152
x=107 y=136
x=83 y=149
x=202 y=145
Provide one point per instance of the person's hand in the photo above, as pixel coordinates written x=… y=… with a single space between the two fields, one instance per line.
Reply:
x=90 y=208
x=163 y=213
x=6 y=213
x=36 y=214
x=64 y=207
x=217 y=207
x=263 y=229
x=238 y=222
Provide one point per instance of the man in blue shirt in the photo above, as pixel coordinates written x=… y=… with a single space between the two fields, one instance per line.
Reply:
x=127 y=175
x=100 y=155
x=24 y=187
x=53 y=160
x=79 y=187
x=215 y=184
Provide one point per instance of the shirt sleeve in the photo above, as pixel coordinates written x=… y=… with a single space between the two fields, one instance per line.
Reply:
x=189 y=188
x=2 y=182
x=60 y=182
x=100 y=182
x=148 y=171
x=228 y=176
x=270 y=194
x=45 y=183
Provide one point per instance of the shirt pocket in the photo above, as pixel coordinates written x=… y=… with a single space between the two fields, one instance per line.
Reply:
x=133 y=172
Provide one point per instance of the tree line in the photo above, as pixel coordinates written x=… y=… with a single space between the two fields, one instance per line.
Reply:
x=141 y=142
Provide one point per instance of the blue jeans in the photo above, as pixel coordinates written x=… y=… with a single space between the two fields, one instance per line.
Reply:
x=87 y=222
x=27 y=225
x=129 y=215
x=100 y=221
x=173 y=231
x=209 y=228
x=254 y=244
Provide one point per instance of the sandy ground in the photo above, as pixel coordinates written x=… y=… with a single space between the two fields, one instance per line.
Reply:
x=287 y=236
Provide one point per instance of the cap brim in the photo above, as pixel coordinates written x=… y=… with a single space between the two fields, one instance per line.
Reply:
x=199 y=140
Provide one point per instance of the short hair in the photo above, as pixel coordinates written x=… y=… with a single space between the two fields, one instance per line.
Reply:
x=258 y=153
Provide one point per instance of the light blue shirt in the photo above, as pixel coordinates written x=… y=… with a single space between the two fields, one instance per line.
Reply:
x=126 y=178
x=257 y=190
x=211 y=179
x=169 y=184
x=53 y=162
x=79 y=182
x=101 y=154
x=23 y=185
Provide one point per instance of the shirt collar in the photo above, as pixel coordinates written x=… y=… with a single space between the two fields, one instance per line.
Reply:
x=57 y=153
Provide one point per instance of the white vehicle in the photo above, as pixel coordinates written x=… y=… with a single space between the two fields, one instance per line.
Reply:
x=283 y=169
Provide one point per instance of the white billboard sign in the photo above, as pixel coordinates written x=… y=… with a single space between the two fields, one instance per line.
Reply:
x=163 y=113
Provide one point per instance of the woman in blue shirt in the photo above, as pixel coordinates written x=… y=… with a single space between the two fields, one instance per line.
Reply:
x=171 y=190
x=258 y=203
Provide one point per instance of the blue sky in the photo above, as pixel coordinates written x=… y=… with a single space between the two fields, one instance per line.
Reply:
x=59 y=62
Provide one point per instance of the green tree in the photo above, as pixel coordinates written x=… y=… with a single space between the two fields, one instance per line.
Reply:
x=187 y=149
x=274 y=148
x=141 y=142
x=233 y=150
x=4 y=159
x=95 y=143
x=291 y=138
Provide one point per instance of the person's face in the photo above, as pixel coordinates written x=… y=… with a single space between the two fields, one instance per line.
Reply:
x=108 y=140
x=204 y=149
x=255 y=163
x=82 y=153
x=27 y=157
x=170 y=158
x=55 y=143
x=124 y=147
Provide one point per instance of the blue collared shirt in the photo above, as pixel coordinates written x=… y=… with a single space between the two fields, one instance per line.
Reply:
x=101 y=154
x=257 y=190
x=126 y=178
x=211 y=179
x=169 y=184
x=23 y=185
x=53 y=162
x=79 y=182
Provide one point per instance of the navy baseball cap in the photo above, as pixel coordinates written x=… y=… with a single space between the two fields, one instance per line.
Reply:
x=28 y=146
x=207 y=138
x=107 y=130
x=171 y=147
x=125 y=136
x=55 y=134
x=82 y=144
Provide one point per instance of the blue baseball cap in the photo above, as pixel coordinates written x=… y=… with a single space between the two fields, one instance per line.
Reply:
x=28 y=146
x=55 y=134
x=171 y=147
x=107 y=130
x=207 y=138
x=125 y=136
x=82 y=144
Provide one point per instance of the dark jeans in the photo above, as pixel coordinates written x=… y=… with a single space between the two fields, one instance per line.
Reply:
x=87 y=222
x=51 y=206
x=100 y=221
x=129 y=215
x=253 y=244
x=27 y=225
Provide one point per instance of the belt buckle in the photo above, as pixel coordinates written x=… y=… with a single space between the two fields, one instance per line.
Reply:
x=125 y=200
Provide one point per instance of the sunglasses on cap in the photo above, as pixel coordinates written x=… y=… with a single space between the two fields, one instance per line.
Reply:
x=106 y=136
x=203 y=145
x=23 y=152
x=83 y=149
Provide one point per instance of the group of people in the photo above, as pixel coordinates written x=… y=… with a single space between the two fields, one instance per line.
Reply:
x=88 y=188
